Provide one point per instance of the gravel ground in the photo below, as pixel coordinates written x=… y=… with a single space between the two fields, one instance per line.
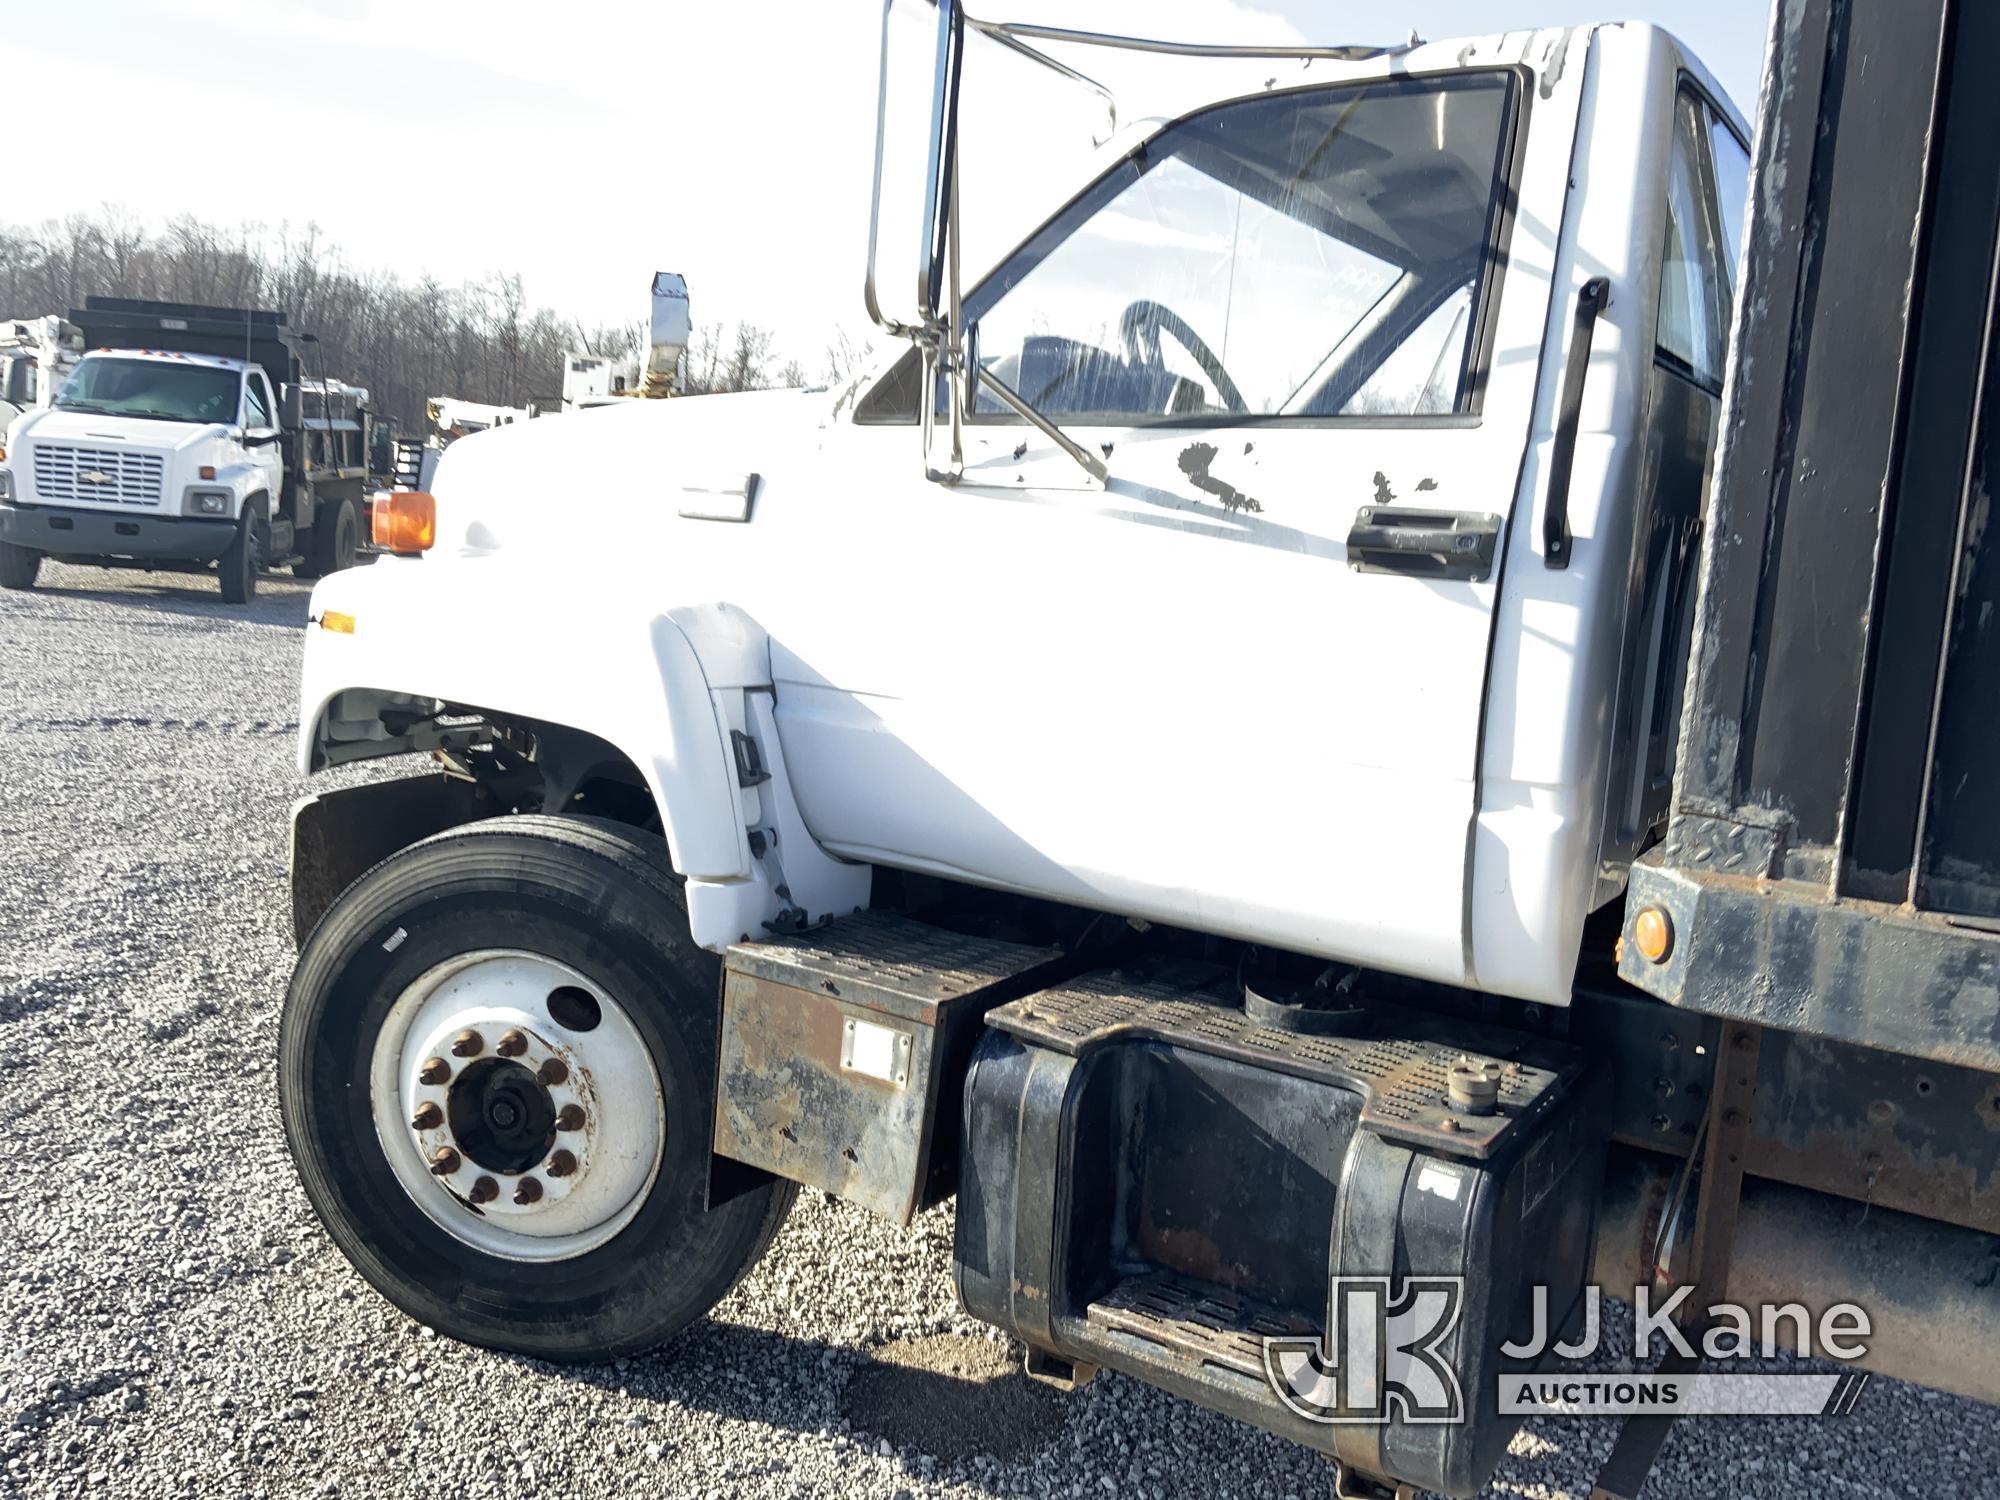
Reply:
x=176 y=1323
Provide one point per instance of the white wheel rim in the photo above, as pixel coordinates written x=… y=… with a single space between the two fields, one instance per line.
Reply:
x=614 y=1136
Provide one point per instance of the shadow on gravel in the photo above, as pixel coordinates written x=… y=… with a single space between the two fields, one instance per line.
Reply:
x=285 y=605
x=952 y=1396
x=948 y=1396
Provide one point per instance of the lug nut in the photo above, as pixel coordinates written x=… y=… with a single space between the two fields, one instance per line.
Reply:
x=427 y=1117
x=434 y=1070
x=553 y=1072
x=513 y=1044
x=485 y=1190
x=467 y=1043
x=529 y=1191
x=561 y=1164
x=444 y=1162
x=570 y=1117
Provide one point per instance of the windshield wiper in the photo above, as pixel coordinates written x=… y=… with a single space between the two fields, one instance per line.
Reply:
x=95 y=411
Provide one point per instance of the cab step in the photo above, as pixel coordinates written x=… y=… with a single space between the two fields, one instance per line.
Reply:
x=1163 y=1316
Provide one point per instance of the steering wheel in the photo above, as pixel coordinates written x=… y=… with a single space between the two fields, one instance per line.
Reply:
x=1141 y=325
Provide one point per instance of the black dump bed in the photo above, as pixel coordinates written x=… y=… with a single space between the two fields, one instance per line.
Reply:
x=1833 y=860
x=257 y=335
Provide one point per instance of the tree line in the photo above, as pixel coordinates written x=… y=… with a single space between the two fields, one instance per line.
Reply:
x=405 y=341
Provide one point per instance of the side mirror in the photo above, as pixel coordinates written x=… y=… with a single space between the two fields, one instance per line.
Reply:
x=292 y=406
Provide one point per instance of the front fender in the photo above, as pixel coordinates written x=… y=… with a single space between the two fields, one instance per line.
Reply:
x=490 y=634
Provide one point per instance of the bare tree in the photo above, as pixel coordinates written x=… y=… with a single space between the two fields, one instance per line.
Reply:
x=404 y=341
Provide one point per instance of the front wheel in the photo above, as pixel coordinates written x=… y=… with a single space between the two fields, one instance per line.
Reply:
x=496 y=1065
x=240 y=565
x=18 y=566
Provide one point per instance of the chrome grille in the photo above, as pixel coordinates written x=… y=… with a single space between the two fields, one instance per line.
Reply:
x=101 y=476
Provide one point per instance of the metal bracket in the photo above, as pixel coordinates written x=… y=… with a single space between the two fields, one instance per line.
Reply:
x=1053 y=1370
x=1725 y=1133
x=1351 y=1484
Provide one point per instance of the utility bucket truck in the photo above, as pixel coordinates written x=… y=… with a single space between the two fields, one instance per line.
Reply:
x=187 y=437
x=36 y=356
x=1386 y=723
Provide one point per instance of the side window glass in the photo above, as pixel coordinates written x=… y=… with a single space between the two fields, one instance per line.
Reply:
x=1694 y=287
x=1732 y=193
x=256 y=408
x=1420 y=375
x=1314 y=253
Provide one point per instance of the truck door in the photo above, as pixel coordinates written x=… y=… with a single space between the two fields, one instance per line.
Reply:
x=1241 y=686
x=260 y=421
x=1706 y=189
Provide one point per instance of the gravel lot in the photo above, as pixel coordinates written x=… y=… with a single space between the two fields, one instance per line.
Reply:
x=176 y=1323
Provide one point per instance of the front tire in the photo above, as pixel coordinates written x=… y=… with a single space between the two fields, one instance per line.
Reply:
x=565 y=940
x=243 y=561
x=18 y=566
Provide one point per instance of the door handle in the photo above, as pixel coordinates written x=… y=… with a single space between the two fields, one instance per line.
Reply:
x=1423 y=543
x=1591 y=301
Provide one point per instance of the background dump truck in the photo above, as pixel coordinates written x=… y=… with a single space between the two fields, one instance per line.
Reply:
x=187 y=437
x=1392 y=694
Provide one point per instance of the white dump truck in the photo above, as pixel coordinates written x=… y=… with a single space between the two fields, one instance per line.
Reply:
x=186 y=438
x=1178 y=760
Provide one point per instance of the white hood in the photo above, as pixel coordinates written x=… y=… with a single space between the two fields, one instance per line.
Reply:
x=584 y=476
x=53 y=425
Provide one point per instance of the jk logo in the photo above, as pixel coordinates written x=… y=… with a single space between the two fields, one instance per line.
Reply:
x=1379 y=1359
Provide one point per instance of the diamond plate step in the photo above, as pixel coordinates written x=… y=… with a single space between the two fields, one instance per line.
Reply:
x=1399 y=1066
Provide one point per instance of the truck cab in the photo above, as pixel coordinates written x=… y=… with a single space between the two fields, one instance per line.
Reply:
x=172 y=455
x=1403 y=407
x=1147 y=760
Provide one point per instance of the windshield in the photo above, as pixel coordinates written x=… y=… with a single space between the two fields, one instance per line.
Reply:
x=1322 y=252
x=165 y=390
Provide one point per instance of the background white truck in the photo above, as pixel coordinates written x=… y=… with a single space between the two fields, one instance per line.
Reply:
x=36 y=357
x=187 y=437
x=1164 y=759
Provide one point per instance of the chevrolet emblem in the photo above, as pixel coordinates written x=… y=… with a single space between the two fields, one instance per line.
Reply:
x=94 y=476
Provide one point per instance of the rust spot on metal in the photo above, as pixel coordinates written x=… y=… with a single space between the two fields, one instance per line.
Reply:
x=1194 y=461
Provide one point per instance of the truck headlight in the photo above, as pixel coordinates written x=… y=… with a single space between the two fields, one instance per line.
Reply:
x=207 y=502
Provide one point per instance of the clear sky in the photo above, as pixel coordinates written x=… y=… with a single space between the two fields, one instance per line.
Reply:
x=589 y=143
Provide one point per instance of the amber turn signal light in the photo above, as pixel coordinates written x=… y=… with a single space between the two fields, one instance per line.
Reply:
x=1653 y=934
x=404 y=522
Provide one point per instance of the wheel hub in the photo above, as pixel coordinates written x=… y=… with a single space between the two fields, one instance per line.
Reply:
x=518 y=1105
x=501 y=1115
x=504 y=1116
